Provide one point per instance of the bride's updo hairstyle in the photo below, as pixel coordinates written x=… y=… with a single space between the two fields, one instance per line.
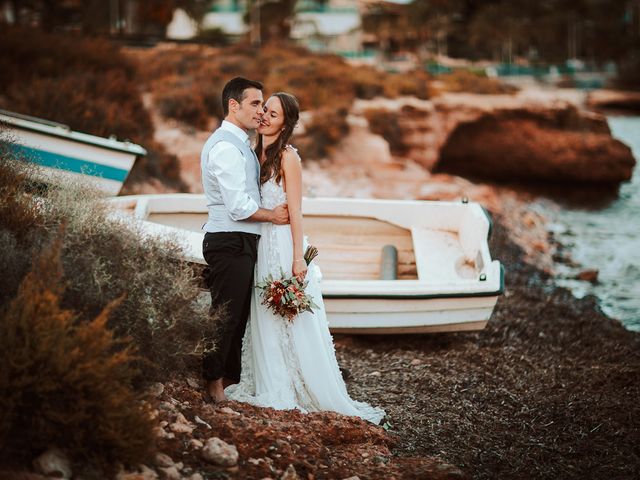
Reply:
x=272 y=164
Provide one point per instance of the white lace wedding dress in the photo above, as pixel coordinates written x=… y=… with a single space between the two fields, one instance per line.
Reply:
x=291 y=365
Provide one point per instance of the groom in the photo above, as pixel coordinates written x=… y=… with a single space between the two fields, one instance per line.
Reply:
x=230 y=177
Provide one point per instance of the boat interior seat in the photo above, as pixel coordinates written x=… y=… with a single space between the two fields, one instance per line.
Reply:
x=438 y=256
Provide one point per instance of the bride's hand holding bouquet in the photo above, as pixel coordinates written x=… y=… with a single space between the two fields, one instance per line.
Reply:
x=286 y=296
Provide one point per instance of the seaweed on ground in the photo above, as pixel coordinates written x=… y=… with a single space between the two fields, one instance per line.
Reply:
x=548 y=390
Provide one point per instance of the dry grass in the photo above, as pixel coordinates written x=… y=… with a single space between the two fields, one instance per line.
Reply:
x=473 y=82
x=104 y=260
x=64 y=382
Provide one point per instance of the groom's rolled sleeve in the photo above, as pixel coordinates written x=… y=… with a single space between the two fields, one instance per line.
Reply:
x=226 y=163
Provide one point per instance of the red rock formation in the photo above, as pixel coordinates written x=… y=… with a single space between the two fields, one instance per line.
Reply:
x=613 y=99
x=557 y=146
x=533 y=136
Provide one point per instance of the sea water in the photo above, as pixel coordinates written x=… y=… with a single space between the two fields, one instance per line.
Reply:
x=608 y=239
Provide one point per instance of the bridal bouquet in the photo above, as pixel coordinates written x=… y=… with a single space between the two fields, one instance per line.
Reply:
x=286 y=296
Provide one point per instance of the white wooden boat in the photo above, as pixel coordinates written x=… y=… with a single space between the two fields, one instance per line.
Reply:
x=103 y=162
x=446 y=279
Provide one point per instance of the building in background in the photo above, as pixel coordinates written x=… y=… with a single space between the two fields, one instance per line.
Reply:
x=321 y=25
x=328 y=26
x=227 y=16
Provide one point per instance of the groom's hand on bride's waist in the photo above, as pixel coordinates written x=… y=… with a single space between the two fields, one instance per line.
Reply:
x=277 y=216
x=281 y=215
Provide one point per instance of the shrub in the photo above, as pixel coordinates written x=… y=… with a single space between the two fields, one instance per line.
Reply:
x=325 y=130
x=18 y=213
x=181 y=98
x=318 y=81
x=158 y=163
x=473 y=82
x=187 y=82
x=19 y=220
x=368 y=82
x=103 y=260
x=102 y=104
x=64 y=382
x=416 y=83
x=27 y=54
x=385 y=123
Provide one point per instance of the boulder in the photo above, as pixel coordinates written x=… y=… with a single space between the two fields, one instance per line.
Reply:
x=525 y=146
x=590 y=275
x=53 y=463
x=220 y=452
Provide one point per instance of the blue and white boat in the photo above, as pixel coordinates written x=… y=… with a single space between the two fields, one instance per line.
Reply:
x=104 y=162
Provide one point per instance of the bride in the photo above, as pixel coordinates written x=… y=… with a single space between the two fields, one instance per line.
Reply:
x=287 y=365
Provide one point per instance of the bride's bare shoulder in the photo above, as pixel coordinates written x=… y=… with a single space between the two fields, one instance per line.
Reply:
x=290 y=152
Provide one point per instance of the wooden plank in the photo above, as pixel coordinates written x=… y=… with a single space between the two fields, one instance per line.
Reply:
x=350 y=248
x=352 y=225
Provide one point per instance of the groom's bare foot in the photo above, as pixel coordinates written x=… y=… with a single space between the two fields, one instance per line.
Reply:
x=214 y=391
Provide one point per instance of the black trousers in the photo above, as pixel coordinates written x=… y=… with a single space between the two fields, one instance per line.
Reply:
x=231 y=257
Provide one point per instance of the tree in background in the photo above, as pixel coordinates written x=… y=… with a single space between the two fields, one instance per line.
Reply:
x=391 y=27
x=595 y=31
x=104 y=16
x=436 y=20
x=269 y=20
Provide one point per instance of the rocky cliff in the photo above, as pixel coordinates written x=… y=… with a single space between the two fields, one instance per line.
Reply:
x=531 y=136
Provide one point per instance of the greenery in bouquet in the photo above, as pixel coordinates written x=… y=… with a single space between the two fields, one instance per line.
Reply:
x=286 y=296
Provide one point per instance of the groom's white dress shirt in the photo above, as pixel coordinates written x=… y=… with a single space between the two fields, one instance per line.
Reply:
x=230 y=181
x=226 y=163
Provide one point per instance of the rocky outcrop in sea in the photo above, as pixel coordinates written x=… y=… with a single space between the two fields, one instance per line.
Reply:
x=533 y=136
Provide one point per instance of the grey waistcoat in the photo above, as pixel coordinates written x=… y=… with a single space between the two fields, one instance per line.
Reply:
x=219 y=219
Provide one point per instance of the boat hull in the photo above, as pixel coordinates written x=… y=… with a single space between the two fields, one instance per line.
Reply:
x=389 y=316
x=61 y=153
